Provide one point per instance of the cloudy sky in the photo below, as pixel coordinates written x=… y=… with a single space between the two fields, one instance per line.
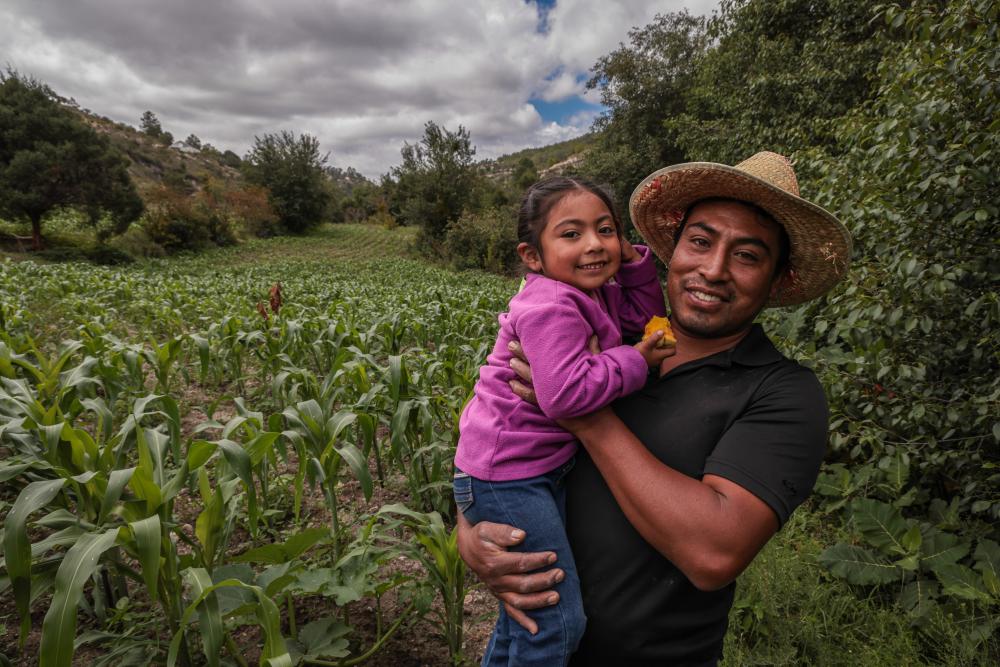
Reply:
x=361 y=75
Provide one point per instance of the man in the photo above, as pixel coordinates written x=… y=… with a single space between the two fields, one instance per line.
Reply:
x=683 y=482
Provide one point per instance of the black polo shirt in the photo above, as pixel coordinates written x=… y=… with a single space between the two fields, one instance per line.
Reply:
x=747 y=414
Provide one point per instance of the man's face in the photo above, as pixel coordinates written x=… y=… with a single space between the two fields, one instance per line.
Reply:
x=722 y=271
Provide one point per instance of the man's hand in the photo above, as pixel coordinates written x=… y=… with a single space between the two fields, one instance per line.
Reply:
x=506 y=573
x=653 y=355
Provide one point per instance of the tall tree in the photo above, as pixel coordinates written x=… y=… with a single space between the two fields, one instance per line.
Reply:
x=642 y=84
x=150 y=124
x=50 y=158
x=292 y=169
x=435 y=182
x=779 y=75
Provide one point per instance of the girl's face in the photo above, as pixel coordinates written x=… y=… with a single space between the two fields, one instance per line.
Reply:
x=579 y=244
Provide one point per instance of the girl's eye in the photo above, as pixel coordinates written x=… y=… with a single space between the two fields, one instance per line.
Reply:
x=700 y=242
x=607 y=230
x=570 y=234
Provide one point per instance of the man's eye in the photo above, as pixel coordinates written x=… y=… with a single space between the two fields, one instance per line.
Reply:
x=700 y=242
x=747 y=256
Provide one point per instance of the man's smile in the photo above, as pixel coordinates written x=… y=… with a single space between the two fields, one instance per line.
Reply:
x=705 y=296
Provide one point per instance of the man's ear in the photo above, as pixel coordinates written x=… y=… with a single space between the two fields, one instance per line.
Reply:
x=530 y=256
x=779 y=283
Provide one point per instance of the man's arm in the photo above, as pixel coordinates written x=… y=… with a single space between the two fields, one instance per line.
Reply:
x=710 y=528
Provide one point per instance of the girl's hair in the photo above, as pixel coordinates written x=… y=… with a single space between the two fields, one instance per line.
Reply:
x=541 y=197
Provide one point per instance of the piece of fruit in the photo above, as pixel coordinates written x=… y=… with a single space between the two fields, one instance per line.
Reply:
x=660 y=324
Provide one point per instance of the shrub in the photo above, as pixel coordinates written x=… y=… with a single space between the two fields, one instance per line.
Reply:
x=108 y=255
x=486 y=240
x=137 y=243
x=249 y=209
x=174 y=222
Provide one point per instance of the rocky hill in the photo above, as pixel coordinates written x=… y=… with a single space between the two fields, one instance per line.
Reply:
x=154 y=163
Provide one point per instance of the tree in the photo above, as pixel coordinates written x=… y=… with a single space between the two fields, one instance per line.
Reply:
x=525 y=173
x=778 y=76
x=231 y=159
x=292 y=170
x=435 y=182
x=150 y=124
x=193 y=141
x=642 y=84
x=50 y=158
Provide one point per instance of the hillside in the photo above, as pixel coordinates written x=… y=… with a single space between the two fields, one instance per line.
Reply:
x=554 y=158
x=152 y=163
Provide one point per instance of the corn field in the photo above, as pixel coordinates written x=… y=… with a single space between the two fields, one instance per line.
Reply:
x=211 y=460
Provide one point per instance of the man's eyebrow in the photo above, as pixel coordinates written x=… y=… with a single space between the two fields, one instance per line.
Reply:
x=743 y=240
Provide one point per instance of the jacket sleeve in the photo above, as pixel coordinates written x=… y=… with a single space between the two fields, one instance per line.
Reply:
x=638 y=292
x=568 y=379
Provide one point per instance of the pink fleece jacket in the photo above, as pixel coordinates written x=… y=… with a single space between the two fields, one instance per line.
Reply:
x=504 y=437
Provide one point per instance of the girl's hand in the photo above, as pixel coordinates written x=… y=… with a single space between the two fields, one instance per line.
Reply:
x=629 y=253
x=652 y=354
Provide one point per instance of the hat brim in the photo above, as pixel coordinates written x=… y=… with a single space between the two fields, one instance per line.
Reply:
x=820 y=244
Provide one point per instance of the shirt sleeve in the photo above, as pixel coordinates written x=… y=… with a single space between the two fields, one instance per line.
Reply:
x=639 y=293
x=774 y=450
x=568 y=379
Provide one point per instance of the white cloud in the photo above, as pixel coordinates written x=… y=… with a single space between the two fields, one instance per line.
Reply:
x=362 y=76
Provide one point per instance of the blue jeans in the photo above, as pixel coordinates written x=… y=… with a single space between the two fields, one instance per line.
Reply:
x=537 y=505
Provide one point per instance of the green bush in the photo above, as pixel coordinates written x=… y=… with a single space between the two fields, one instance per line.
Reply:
x=108 y=255
x=138 y=244
x=486 y=240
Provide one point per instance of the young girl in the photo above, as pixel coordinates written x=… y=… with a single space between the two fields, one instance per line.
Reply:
x=511 y=454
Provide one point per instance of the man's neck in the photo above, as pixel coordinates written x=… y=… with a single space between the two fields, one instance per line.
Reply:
x=690 y=348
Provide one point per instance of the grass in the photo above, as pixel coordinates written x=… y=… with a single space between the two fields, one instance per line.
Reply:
x=790 y=611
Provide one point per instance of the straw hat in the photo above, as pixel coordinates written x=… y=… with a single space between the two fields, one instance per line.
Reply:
x=820 y=244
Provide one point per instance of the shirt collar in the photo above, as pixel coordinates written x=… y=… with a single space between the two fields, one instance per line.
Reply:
x=754 y=349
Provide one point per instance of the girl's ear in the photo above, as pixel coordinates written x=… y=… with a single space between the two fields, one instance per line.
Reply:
x=530 y=256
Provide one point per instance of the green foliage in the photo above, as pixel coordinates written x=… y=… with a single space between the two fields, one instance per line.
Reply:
x=485 y=240
x=50 y=159
x=360 y=380
x=778 y=75
x=789 y=610
x=909 y=349
x=525 y=173
x=643 y=83
x=150 y=124
x=292 y=171
x=434 y=183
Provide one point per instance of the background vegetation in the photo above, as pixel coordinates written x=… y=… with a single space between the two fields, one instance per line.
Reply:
x=254 y=442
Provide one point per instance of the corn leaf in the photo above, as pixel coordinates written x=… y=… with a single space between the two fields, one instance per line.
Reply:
x=59 y=626
x=16 y=549
x=209 y=616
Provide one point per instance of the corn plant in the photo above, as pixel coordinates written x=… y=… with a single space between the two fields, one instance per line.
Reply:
x=314 y=432
x=436 y=548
